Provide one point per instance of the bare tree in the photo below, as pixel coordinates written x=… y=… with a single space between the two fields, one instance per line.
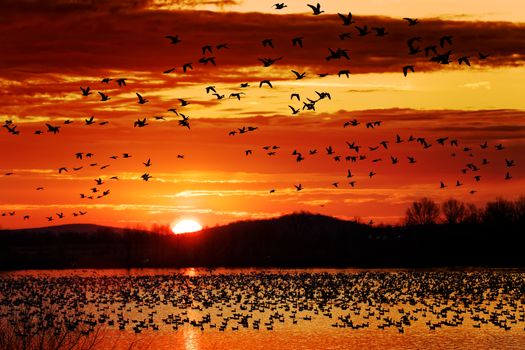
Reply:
x=422 y=212
x=454 y=211
x=519 y=210
x=473 y=214
x=501 y=211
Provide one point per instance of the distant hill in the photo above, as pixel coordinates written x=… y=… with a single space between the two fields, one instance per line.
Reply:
x=295 y=240
x=70 y=228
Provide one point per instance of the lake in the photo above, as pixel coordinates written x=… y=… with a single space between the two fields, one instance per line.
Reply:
x=262 y=309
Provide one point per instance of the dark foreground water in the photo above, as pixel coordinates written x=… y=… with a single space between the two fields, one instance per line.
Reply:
x=262 y=309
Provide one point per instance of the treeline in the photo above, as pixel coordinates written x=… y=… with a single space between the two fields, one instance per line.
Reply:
x=499 y=212
x=450 y=234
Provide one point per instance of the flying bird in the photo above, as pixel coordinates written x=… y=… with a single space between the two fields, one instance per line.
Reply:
x=297 y=41
x=464 y=59
x=411 y=21
x=267 y=42
x=141 y=100
x=85 y=91
x=267 y=82
x=407 y=68
x=316 y=9
x=347 y=19
x=174 y=39
x=90 y=120
x=294 y=111
x=298 y=75
x=363 y=30
x=446 y=39
x=103 y=96
x=53 y=129
x=483 y=56
x=187 y=66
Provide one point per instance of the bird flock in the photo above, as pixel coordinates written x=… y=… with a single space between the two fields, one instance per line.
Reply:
x=351 y=153
x=395 y=302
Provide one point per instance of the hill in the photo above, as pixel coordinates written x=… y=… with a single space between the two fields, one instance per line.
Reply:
x=294 y=240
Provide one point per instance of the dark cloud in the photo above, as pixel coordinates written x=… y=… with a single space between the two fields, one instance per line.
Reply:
x=55 y=39
x=108 y=6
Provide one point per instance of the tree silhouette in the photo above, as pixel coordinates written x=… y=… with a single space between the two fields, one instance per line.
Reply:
x=473 y=215
x=422 y=212
x=454 y=211
x=499 y=212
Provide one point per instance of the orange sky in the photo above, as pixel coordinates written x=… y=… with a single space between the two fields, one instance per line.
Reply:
x=51 y=48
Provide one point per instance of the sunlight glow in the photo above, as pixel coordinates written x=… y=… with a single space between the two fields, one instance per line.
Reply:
x=185 y=226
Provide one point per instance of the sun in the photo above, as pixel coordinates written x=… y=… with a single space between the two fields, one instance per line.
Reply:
x=185 y=226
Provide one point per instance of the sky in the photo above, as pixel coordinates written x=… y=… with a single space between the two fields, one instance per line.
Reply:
x=50 y=49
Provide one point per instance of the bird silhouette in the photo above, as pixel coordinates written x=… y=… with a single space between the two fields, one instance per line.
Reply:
x=103 y=96
x=187 y=66
x=298 y=187
x=363 y=30
x=316 y=9
x=446 y=39
x=267 y=62
x=279 y=6
x=53 y=129
x=267 y=82
x=206 y=60
x=344 y=72
x=411 y=21
x=347 y=19
x=168 y=71
x=297 y=41
x=141 y=100
x=85 y=91
x=174 y=39
x=430 y=48
x=267 y=42
x=294 y=111
x=206 y=48
x=298 y=75
x=147 y=163
x=121 y=82
x=407 y=68
x=90 y=120
x=464 y=59
x=140 y=123
x=236 y=95
x=483 y=56
x=380 y=31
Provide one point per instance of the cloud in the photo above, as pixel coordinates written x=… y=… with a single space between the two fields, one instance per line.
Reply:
x=107 y=6
x=477 y=85
x=88 y=43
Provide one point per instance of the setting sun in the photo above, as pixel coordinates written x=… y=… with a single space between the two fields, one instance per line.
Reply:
x=186 y=226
